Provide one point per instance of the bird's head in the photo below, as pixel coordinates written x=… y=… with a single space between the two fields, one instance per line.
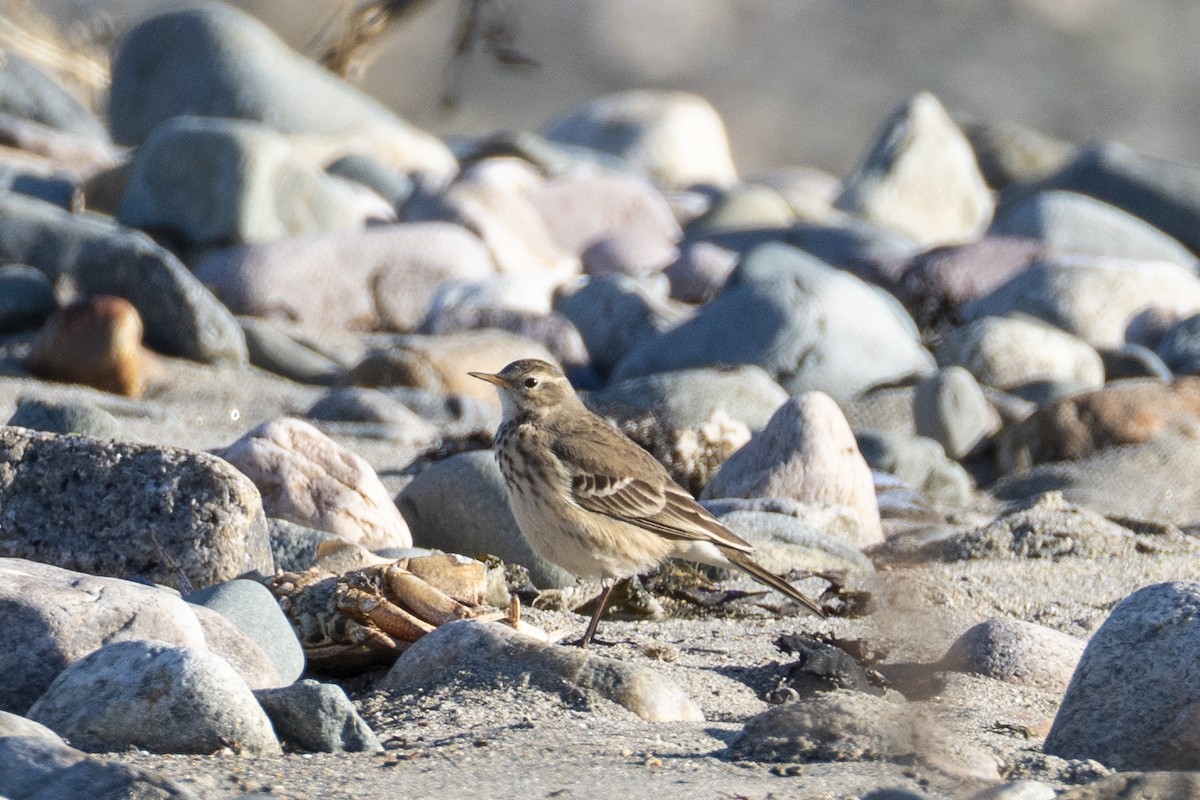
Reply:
x=530 y=386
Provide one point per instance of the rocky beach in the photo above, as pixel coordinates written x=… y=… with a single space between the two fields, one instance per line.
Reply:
x=254 y=542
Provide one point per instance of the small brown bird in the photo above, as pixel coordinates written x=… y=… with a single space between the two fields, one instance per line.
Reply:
x=591 y=501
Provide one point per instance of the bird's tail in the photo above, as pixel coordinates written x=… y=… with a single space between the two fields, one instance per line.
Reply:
x=743 y=561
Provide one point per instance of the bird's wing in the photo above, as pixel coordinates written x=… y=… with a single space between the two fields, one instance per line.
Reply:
x=645 y=496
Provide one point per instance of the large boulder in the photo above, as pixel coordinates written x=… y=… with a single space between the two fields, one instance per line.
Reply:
x=218 y=61
x=164 y=514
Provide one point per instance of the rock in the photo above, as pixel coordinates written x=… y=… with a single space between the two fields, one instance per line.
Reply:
x=584 y=210
x=1092 y=297
x=809 y=326
x=808 y=191
x=855 y=244
x=164 y=514
x=806 y=452
x=242 y=653
x=634 y=253
x=28 y=93
x=552 y=331
x=1180 y=348
x=527 y=293
x=490 y=653
x=1137 y=482
x=1133 y=361
x=218 y=61
x=293 y=546
x=95 y=341
x=1017 y=652
x=1009 y=153
x=614 y=312
x=920 y=178
x=318 y=717
x=700 y=272
x=552 y=159
x=1011 y=352
x=355 y=404
x=918 y=462
x=460 y=505
x=155 y=697
x=218 y=182
x=441 y=363
x=854 y=726
x=455 y=415
x=1018 y=790
x=394 y=187
x=54 y=617
x=385 y=277
x=677 y=138
x=52 y=417
x=1131 y=704
x=52 y=601
x=1121 y=413
x=1137 y=786
x=1162 y=192
x=689 y=398
x=1050 y=526
x=950 y=408
x=181 y=317
x=36 y=769
x=252 y=608
x=785 y=542
x=306 y=477
x=14 y=726
x=888 y=409
x=1067 y=222
x=745 y=206
x=937 y=283
x=492 y=200
x=274 y=349
x=26 y=298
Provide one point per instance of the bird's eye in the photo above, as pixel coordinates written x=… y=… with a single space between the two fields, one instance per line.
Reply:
x=531 y=382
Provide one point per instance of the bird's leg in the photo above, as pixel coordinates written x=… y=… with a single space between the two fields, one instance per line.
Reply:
x=606 y=587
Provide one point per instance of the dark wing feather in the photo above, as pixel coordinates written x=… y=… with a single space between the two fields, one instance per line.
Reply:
x=644 y=496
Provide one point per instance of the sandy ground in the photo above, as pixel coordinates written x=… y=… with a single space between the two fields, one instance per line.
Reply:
x=510 y=741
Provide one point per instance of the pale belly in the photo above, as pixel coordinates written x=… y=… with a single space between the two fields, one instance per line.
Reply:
x=585 y=544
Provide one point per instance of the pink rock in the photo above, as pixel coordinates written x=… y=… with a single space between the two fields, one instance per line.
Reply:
x=492 y=200
x=584 y=209
x=636 y=252
x=700 y=272
x=807 y=452
x=307 y=478
x=383 y=277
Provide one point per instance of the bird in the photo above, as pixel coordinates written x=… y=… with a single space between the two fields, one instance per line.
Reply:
x=589 y=499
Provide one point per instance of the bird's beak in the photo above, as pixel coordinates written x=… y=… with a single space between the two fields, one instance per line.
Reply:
x=490 y=378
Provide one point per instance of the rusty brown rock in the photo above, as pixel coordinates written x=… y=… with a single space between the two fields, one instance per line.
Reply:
x=1121 y=413
x=95 y=341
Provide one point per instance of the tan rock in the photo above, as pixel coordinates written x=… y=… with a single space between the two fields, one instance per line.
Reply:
x=921 y=178
x=677 y=138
